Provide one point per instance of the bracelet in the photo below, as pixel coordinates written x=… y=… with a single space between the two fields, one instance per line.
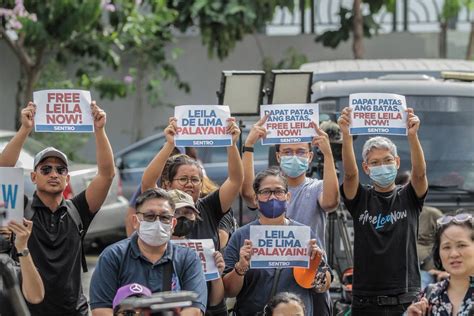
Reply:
x=247 y=148
x=239 y=271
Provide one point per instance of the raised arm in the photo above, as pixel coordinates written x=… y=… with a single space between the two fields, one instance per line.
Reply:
x=329 y=200
x=99 y=187
x=31 y=285
x=155 y=168
x=418 y=164
x=351 y=172
x=257 y=132
x=11 y=152
x=234 y=280
x=231 y=186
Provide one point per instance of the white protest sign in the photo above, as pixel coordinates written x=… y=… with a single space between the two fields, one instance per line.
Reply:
x=202 y=126
x=63 y=111
x=11 y=195
x=289 y=123
x=205 y=251
x=275 y=246
x=378 y=113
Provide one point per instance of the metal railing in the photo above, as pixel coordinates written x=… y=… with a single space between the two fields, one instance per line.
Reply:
x=409 y=15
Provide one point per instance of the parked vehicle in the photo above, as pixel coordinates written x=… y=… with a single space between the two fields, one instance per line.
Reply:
x=109 y=221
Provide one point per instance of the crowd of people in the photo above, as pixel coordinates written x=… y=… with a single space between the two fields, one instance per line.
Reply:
x=398 y=241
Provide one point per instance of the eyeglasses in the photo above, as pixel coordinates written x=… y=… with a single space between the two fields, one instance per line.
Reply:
x=385 y=161
x=185 y=180
x=458 y=219
x=267 y=193
x=152 y=217
x=47 y=169
x=299 y=152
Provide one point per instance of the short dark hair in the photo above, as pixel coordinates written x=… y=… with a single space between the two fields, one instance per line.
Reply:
x=282 y=297
x=277 y=147
x=155 y=193
x=274 y=171
x=174 y=162
x=436 y=246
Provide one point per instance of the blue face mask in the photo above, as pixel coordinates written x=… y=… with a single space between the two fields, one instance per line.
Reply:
x=383 y=175
x=293 y=166
x=272 y=208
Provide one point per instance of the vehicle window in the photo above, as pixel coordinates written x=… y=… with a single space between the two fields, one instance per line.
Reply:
x=141 y=156
x=27 y=153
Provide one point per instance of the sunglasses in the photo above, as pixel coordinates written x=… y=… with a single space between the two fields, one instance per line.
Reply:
x=458 y=219
x=47 y=169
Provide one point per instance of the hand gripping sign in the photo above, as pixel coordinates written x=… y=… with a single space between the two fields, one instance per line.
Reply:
x=276 y=246
x=378 y=113
x=202 y=126
x=289 y=123
x=63 y=111
x=11 y=195
x=205 y=251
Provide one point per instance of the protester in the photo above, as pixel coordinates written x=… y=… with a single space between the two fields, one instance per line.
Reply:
x=311 y=199
x=453 y=252
x=186 y=215
x=148 y=258
x=385 y=216
x=285 y=304
x=253 y=287
x=185 y=174
x=426 y=238
x=15 y=237
x=56 y=242
x=126 y=291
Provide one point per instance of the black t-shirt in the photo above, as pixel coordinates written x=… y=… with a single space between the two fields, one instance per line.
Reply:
x=385 y=230
x=211 y=214
x=55 y=247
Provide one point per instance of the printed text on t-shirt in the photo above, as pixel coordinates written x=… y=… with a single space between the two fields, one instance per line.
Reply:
x=380 y=220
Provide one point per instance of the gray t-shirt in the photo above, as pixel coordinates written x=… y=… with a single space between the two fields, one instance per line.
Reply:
x=304 y=207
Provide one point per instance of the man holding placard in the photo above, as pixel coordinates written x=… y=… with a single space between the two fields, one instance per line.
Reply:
x=311 y=199
x=385 y=216
x=59 y=225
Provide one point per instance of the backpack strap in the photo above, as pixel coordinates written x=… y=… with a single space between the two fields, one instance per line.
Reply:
x=167 y=275
x=28 y=212
x=76 y=217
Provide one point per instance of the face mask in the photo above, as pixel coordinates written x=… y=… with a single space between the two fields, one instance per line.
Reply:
x=293 y=166
x=5 y=244
x=154 y=233
x=183 y=227
x=272 y=208
x=383 y=175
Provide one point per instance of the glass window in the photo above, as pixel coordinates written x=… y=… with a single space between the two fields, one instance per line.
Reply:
x=140 y=156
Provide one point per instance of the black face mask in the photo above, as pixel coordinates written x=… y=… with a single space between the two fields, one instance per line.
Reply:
x=183 y=227
x=6 y=245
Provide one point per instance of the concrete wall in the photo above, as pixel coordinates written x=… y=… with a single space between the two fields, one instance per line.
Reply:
x=203 y=74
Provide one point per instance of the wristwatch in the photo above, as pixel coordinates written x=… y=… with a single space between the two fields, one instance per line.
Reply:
x=246 y=148
x=25 y=252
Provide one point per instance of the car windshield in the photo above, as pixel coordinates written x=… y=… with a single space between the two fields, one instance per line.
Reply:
x=447 y=137
x=30 y=148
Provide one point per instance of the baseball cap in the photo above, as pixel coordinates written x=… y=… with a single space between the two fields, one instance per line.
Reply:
x=47 y=153
x=182 y=199
x=133 y=289
x=305 y=276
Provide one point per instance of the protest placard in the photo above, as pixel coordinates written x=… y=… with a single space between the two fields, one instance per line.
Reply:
x=202 y=126
x=63 y=111
x=275 y=246
x=378 y=113
x=11 y=195
x=205 y=251
x=289 y=123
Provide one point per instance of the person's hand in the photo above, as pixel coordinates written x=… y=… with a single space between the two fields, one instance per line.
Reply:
x=258 y=131
x=170 y=130
x=233 y=130
x=99 y=115
x=245 y=254
x=418 y=308
x=321 y=140
x=345 y=120
x=22 y=233
x=28 y=116
x=219 y=260
x=413 y=122
x=314 y=250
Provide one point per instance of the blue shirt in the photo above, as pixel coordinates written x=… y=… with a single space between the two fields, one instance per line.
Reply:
x=258 y=283
x=122 y=263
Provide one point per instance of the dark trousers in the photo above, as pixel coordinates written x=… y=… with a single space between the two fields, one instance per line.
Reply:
x=361 y=307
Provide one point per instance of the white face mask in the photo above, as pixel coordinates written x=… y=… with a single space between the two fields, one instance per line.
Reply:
x=154 y=233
